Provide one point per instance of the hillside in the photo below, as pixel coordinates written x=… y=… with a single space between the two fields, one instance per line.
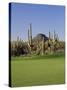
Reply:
x=39 y=37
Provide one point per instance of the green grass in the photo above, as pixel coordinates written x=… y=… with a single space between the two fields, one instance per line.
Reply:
x=37 y=70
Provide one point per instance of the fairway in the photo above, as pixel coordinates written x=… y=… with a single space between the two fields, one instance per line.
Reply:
x=37 y=70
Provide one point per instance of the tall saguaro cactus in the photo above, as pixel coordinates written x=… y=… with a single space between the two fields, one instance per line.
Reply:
x=55 y=36
x=43 y=46
x=28 y=37
x=30 y=34
x=49 y=35
x=17 y=40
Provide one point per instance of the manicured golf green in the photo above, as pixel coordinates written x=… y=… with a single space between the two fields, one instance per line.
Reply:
x=37 y=70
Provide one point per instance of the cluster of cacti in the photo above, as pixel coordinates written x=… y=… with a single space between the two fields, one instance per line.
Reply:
x=19 y=48
x=39 y=47
x=50 y=46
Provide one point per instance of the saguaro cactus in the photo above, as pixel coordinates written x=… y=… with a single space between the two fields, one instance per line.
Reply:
x=55 y=36
x=49 y=35
x=43 y=46
x=28 y=37
x=17 y=40
x=30 y=34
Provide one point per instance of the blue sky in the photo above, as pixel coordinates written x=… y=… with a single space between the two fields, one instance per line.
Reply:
x=42 y=17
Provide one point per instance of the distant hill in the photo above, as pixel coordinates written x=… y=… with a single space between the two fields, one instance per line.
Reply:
x=39 y=37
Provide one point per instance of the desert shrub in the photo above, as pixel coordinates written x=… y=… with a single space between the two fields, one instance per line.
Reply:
x=19 y=48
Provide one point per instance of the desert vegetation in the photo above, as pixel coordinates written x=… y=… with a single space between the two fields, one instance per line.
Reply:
x=39 y=45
